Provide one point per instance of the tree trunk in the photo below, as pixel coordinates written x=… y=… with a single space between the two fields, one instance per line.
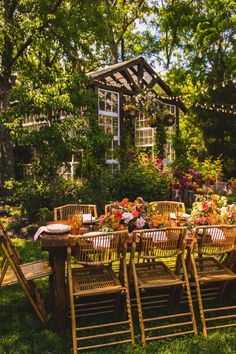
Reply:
x=7 y=170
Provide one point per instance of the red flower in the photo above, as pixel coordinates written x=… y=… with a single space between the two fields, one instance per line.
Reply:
x=118 y=215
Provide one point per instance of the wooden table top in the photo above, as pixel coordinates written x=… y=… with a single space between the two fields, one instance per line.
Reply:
x=64 y=240
x=61 y=240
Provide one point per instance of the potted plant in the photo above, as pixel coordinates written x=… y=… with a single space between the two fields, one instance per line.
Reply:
x=168 y=120
x=130 y=111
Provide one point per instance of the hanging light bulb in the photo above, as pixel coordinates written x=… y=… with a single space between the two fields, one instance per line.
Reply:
x=200 y=55
x=214 y=87
x=223 y=84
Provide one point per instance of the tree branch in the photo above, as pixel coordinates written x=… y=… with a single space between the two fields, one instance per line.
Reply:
x=37 y=31
x=130 y=22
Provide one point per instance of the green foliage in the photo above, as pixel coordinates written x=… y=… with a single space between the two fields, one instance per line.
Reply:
x=160 y=138
x=37 y=197
x=181 y=154
x=15 y=226
x=44 y=214
x=210 y=169
x=138 y=180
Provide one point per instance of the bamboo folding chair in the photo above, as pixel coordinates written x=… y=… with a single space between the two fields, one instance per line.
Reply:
x=167 y=207
x=63 y=212
x=98 y=284
x=156 y=265
x=211 y=267
x=13 y=272
x=108 y=208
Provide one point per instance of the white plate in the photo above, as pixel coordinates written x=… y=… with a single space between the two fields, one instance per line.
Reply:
x=58 y=228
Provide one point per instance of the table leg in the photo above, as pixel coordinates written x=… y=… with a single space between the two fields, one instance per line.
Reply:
x=59 y=290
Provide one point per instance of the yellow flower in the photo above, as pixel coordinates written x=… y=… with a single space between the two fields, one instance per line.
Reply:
x=215 y=197
x=224 y=215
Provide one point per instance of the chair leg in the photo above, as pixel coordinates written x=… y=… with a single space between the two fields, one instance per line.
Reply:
x=4 y=267
x=139 y=306
x=128 y=302
x=72 y=311
x=189 y=296
x=199 y=296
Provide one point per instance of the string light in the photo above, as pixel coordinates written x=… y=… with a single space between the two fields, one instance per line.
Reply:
x=217 y=43
x=227 y=108
x=217 y=109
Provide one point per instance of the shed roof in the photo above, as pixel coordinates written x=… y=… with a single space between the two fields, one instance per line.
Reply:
x=131 y=76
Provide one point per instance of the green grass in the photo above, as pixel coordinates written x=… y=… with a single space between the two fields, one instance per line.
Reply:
x=21 y=332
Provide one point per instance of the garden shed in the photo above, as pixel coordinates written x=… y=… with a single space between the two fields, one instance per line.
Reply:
x=130 y=81
x=128 y=91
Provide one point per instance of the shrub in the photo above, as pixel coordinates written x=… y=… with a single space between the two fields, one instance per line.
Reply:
x=37 y=198
x=138 y=180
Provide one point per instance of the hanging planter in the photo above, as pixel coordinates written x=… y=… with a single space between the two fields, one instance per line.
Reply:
x=152 y=121
x=130 y=111
x=168 y=120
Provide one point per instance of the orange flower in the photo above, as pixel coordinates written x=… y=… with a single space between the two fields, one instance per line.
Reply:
x=214 y=197
x=205 y=206
x=212 y=219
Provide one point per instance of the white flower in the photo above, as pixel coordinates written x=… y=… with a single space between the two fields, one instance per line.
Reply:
x=140 y=222
x=127 y=216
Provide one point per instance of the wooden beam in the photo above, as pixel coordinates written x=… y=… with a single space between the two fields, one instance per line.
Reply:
x=117 y=68
x=130 y=80
x=152 y=83
x=115 y=88
x=140 y=74
x=136 y=73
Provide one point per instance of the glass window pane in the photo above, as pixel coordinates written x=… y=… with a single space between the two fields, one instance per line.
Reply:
x=108 y=102
x=101 y=100
x=115 y=126
x=114 y=98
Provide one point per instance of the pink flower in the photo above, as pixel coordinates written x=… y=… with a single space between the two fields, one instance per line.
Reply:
x=135 y=213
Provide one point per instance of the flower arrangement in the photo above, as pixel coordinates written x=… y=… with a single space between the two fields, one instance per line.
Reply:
x=214 y=210
x=134 y=215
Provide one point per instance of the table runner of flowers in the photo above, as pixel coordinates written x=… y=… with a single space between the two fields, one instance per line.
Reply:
x=132 y=215
x=207 y=210
x=212 y=210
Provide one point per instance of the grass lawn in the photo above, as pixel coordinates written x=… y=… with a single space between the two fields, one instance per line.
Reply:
x=22 y=333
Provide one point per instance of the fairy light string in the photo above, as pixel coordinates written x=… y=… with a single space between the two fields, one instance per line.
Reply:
x=227 y=108
x=216 y=43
